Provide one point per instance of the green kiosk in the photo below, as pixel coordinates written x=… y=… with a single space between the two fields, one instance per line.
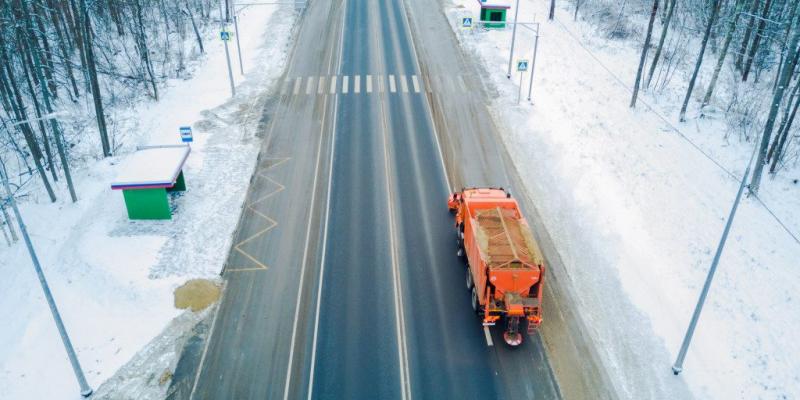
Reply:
x=147 y=176
x=493 y=13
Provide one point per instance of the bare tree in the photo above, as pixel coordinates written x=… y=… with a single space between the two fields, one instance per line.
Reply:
x=693 y=80
x=664 y=29
x=724 y=51
x=642 y=59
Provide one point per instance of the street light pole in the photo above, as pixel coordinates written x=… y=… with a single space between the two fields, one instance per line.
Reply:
x=533 y=62
x=678 y=366
x=86 y=390
x=513 y=37
x=238 y=47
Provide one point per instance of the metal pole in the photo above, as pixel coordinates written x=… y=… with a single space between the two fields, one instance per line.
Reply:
x=513 y=37
x=678 y=366
x=519 y=94
x=238 y=47
x=230 y=71
x=533 y=62
x=86 y=390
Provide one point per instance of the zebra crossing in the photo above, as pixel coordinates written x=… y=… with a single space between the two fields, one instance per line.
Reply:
x=372 y=84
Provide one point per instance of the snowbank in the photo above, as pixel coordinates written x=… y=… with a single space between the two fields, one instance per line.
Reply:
x=636 y=212
x=113 y=278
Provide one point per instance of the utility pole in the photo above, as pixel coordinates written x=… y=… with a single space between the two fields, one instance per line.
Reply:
x=678 y=366
x=225 y=36
x=238 y=47
x=513 y=37
x=86 y=390
x=533 y=62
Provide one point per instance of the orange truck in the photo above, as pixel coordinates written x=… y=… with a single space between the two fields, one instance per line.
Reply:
x=505 y=268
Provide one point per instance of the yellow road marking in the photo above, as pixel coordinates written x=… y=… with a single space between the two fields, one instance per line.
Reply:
x=271 y=223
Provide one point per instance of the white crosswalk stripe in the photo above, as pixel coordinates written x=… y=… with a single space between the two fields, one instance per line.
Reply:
x=310 y=85
x=415 y=81
x=296 y=90
x=321 y=86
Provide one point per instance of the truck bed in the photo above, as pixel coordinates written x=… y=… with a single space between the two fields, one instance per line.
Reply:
x=504 y=240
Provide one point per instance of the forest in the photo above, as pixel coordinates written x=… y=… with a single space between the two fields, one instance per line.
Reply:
x=67 y=67
x=734 y=59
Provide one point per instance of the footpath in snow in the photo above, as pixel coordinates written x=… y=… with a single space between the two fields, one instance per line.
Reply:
x=636 y=212
x=112 y=278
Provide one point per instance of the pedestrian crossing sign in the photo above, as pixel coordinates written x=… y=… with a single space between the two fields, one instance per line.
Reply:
x=522 y=65
x=466 y=22
x=225 y=35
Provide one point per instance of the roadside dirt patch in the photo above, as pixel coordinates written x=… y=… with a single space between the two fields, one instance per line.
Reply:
x=196 y=294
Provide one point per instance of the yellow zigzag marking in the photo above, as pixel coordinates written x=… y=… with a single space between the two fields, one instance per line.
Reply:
x=271 y=223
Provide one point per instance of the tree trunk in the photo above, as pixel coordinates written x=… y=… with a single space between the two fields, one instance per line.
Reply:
x=550 y=16
x=748 y=32
x=781 y=140
x=95 y=84
x=723 y=52
x=22 y=118
x=714 y=14
x=54 y=126
x=194 y=27
x=144 y=52
x=788 y=70
x=661 y=41
x=644 y=53
x=762 y=23
x=63 y=47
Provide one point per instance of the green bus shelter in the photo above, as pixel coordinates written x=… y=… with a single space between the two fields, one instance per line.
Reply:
x=147 y=176
x=493 y=14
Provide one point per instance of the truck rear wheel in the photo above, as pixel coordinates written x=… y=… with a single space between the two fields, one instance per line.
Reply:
x=469 y=278
x=475 y=304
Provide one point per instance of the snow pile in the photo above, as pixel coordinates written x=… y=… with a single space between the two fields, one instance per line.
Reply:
x=113 y=278
x=636 y=212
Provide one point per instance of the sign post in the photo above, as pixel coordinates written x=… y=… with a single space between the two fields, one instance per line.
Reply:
x=186 y=134
x=225 y=36
x=522 y=66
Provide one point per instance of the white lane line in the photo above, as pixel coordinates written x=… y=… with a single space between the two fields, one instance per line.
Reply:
x=397 y=287
x=310 y=388
x=345 y=84
x=381 y=84
x=462 y=84
x=415 y=81
x=321 y=86
x=357 y=84
x=392 y=84
x=205 y=349
x=488 y=336
x=310 y=85
x=333 y=84
x=403 y=83
x=369 y=83
x=297 y=86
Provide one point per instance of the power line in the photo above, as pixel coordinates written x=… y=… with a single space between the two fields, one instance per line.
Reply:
x=729 y=173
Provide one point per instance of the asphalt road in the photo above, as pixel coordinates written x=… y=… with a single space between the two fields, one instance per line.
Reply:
x=343 y=282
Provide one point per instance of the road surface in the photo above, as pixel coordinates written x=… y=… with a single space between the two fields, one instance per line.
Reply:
x=343 y=282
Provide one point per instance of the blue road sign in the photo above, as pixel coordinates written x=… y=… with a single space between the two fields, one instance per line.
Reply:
x=225 y=35
x=186 y=134
x=522 y=65
x=466 y=22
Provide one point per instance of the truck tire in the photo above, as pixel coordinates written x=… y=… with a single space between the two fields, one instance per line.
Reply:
x=469 y=279
x=475 y=304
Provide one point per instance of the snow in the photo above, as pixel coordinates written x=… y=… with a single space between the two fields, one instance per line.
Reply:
x=150 y=166
x=636 y=203
x=113 y=278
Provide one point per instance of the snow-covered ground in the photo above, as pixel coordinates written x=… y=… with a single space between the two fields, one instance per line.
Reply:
x=636 y=212
x=113 y=278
